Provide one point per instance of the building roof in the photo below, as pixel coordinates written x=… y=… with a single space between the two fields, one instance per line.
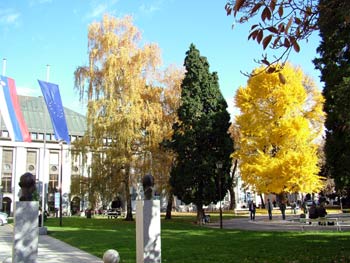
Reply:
x=38 y=120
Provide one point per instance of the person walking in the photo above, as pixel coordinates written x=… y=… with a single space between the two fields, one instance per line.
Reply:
x=252 y=210
x=283 y=209
x=269 y=208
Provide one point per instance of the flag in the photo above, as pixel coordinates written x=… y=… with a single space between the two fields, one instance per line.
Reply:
x=53 y=101
x=11 y=111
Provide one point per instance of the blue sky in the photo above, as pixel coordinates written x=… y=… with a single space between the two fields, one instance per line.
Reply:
x=34 y=33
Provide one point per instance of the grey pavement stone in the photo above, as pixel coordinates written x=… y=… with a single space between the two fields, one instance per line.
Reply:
x=50 y=249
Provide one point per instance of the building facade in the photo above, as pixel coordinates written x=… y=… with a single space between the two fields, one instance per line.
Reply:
x=48 y=160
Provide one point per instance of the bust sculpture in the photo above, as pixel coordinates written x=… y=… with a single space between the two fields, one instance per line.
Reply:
x=27 y=184
x=148 y=182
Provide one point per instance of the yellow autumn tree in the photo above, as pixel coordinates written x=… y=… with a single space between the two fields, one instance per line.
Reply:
x=123 y=109
x=280 y=124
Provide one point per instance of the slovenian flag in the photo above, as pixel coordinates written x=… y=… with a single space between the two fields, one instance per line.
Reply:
x=11 y=111
x=53 y=101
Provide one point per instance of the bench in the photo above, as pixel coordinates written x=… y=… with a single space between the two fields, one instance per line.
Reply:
x=331 y=222
x=113 y=213
x=240 y=211
x=343 y=222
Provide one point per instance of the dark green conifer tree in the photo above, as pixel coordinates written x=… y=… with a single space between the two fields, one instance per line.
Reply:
x=201 y=137
x=334 y=64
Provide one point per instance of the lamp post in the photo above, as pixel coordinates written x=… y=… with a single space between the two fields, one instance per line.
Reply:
x=218 y=167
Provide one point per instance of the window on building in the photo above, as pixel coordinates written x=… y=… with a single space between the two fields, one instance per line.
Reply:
x=41 y=136
x=53 y=183
x=31 y=162
x=5 y=134
x=53 y=180
x=34 y=136
x=6 y=179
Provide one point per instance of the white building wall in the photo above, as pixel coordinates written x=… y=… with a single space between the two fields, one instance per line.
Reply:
x=42 y=167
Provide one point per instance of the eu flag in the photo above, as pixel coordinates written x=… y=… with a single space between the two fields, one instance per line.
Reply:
x=53 y=101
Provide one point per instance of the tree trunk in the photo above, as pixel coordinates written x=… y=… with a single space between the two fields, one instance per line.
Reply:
x=232 y=199
x=262 y=201
x=232 y=191
x=169 y=206
x=200 y=214
x=128 y=207
x=128 y=198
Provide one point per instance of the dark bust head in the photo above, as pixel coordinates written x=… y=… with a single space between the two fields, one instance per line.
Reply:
x=147 y=183
x=27 y=184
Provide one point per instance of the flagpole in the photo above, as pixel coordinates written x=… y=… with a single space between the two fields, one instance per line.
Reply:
x=61 y=173
x=43 y=206
x=3 y=73
x=4 y=66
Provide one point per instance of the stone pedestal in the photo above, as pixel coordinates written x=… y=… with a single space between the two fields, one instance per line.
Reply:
x=26 y=232
x=148 y=246
x=43 y=230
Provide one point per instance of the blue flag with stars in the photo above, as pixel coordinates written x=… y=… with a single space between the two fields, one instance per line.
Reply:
x=53 y=101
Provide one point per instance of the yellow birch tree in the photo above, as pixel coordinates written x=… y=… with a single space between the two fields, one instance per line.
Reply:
x=122 y=115
x=280 y=124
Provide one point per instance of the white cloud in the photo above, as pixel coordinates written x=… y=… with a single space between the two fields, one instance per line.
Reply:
x=9 y=16
x=152 y=7
x=98 y=8
x=149 y=9
x=98 y=11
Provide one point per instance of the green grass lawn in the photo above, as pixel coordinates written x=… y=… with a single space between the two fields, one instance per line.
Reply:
x=184 y=241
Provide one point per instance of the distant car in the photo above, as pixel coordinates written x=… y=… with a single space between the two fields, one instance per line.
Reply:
x=3 y=218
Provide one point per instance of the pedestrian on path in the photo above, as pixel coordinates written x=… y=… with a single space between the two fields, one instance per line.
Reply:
x=283 y=209
x=252 y=210
x=269 y=208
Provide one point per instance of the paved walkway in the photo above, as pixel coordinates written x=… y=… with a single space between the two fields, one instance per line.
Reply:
x=262 y=223
x=52 y=250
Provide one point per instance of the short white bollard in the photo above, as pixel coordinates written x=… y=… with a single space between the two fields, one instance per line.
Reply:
x=111 y=256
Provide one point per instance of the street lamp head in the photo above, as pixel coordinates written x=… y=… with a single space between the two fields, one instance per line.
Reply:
x=219 y=164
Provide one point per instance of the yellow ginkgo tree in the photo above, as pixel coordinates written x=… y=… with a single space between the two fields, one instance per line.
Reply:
x=280 y=125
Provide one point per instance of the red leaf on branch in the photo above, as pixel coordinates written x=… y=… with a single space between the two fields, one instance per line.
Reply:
x=280 y=10
x=296 y=46
x=256 y=7
x=260 y=36
x=238 y=5
x=272 y=29
x=266 y=14
x=272 y=5
x=266 y=41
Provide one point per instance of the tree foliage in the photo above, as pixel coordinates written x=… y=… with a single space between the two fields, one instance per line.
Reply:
x=279 y=126
x=280 y=24
x=171 y=79
x=200 y=136
x=123 y=109
x=334 y=63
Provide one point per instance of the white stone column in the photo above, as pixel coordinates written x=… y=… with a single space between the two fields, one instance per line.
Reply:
x=26 y=232
x=148 y=242
x=139 y=231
